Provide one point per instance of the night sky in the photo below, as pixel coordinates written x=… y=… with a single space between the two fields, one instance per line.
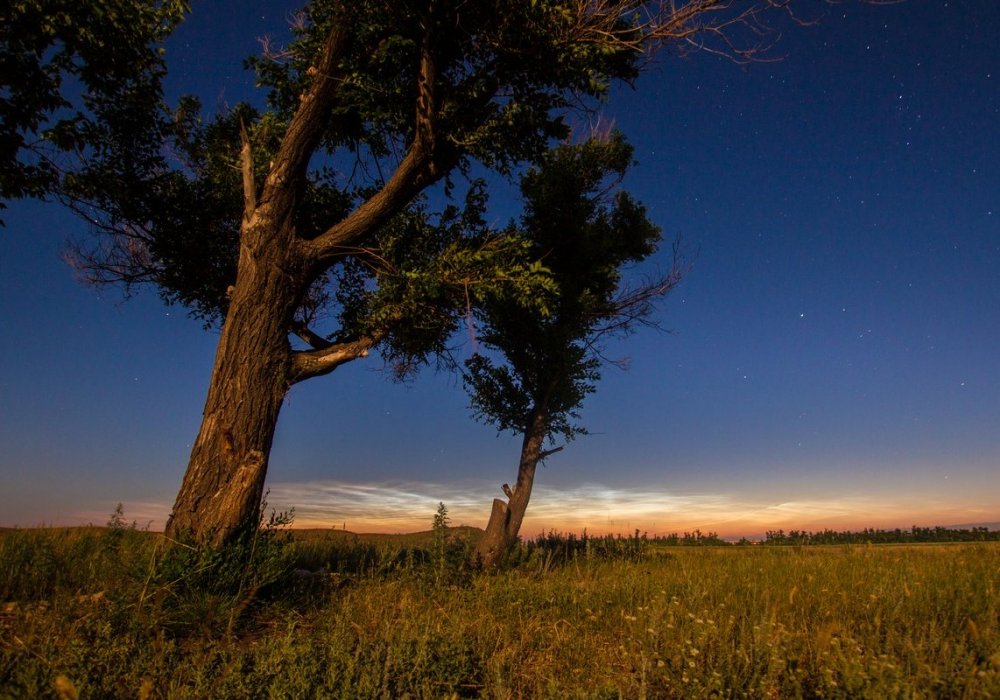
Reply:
x=831 y=359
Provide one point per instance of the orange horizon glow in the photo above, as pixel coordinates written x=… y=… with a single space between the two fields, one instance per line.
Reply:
x=404 y=508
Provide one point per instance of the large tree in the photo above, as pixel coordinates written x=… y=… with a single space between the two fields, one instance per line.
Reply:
x=541 y=365
x=261 y=219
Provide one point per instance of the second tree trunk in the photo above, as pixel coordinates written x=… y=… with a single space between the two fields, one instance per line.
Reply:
x=506 y=517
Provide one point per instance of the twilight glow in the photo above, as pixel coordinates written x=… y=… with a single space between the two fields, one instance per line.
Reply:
x=408 y=507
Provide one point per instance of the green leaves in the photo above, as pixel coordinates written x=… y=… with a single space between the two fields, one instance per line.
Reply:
x=548 y=358
x=504 y=72
x=105 y=52
x=162 y=186
x=424 y=274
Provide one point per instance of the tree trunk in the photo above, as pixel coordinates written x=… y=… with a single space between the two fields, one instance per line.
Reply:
x=254 y=363
x=223 y=485
x=506 y=518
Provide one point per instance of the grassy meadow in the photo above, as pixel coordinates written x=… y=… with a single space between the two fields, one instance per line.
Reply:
x=116 y=613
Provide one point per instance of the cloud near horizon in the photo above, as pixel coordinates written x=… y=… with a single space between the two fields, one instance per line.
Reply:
x=408 y=506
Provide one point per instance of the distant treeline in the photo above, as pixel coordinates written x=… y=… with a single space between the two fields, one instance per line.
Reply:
x=559 y=547
x=876 y=536
x=571 y=546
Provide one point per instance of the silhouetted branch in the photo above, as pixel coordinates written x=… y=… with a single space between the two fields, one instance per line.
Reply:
x=548 y=453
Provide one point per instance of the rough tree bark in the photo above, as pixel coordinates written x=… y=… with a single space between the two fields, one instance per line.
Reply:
x=506 y=517
x=224 y=482
x=255 y=364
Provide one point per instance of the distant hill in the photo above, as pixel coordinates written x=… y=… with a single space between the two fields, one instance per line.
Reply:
x=409 y=539
x=63 y=529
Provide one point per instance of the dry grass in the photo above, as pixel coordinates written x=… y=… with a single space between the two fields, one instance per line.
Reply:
x=754 y=622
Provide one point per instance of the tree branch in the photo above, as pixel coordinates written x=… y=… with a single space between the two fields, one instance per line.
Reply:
x=422 y=165
x=410 y=178
x=633 y=305
x=306 y=127
x=699 y=25
x=314 y=363
x=427 y=99
x=548 y=453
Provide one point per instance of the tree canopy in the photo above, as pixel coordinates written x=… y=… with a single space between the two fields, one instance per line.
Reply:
x=420 y=91
x=63 y=65
x=586 y=232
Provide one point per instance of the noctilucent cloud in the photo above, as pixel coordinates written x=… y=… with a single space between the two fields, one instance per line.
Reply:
x=831 y=359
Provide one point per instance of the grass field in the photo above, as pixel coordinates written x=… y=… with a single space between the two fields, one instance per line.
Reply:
x=110 y=613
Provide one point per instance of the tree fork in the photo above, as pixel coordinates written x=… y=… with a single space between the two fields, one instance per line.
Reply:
x=223 y=485
x=224 y=482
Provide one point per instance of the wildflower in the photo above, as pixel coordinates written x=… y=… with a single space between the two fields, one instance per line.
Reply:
x=64 y=688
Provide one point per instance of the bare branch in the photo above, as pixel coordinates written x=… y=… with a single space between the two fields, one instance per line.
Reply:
x=632 y=307
x=371 y=257
x=548 y=453
x=314 y=363
x=114 y=254
x=123 y=259
x=734 y=29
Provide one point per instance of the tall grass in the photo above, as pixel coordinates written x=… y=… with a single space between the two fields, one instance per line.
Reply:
x=754 y=622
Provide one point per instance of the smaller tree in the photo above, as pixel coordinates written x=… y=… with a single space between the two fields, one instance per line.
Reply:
x=543 y=362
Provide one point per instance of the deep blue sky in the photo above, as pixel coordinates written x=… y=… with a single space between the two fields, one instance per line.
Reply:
x=832 y=354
